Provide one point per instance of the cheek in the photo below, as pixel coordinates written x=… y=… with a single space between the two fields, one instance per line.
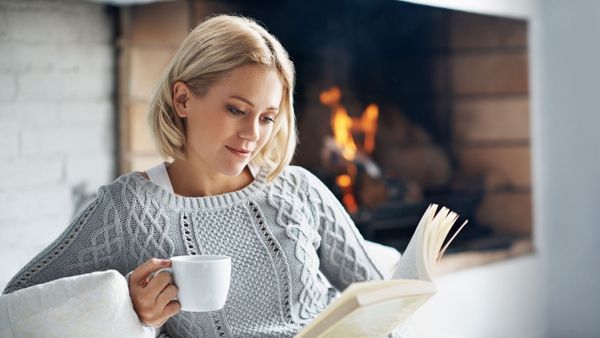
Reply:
x=265 y=136
x=199 y=136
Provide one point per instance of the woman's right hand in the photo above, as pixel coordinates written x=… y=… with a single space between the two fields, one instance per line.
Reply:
x=153 y=298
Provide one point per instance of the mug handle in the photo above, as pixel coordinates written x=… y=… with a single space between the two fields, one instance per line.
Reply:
x=153 y=274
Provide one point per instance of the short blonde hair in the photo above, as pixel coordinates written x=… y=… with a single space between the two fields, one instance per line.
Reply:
x=213 y=48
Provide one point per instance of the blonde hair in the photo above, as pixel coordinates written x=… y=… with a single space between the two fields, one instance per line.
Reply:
x=213 y=48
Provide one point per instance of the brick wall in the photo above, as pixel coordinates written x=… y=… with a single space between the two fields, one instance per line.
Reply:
x=57 y=128
x=488 y=91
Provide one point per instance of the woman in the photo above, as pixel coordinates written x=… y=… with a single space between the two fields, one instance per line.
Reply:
x=223 y=111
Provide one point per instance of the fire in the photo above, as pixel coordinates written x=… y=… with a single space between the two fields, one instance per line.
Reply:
x=345 y=183
x=341 y=124
x=368 y=124
x=344 y=127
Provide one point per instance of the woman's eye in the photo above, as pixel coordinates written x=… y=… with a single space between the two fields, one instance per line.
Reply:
x=236 y=111
x=268 y=119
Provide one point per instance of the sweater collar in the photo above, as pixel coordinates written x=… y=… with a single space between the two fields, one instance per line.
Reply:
x=163 y=193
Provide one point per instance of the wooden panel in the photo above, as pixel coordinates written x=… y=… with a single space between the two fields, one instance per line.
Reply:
x=481 y=31
x=150 y=35
x=204 y=9
x=426 y=165
x=140 y=139
x=491 y=119
x=161 y=23
x=507 y=212
x=146 y=66
x=501 y=166
x=489 y=73
x=141 y=162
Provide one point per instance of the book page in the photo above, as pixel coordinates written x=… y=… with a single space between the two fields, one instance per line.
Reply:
x=396 y=288
x=406 y=268
x=425 y=246
x=376 y=320
x=411 y=264
x=364 y=294
x=344 y=305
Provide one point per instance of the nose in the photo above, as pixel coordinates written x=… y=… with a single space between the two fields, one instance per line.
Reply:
x=250 y=129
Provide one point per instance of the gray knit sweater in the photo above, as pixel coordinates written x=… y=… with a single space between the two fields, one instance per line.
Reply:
x=292 y=246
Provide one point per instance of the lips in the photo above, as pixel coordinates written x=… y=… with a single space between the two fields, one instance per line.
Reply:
x=239 y=151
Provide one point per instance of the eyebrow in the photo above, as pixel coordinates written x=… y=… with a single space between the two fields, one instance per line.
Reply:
x=250 y=103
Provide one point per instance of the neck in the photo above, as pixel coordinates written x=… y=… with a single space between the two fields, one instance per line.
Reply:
x=191 y=180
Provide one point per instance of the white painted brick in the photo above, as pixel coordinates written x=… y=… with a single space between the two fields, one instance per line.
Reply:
x=78 y=140
x=98 y=113
x=21 y=240
x=44 y=57
x=40 y=231
x=73 y=85
x=95 y=170
x=8 y=85
x=56 y=118
x=40 y=202
x=27 y=115
x=19 y=57
x=9 y=143
x=84 y=56
x=33 y=172
x=3 y=24
x=77 y=22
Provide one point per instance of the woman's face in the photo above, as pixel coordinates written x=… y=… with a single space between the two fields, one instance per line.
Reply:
x=229 y=125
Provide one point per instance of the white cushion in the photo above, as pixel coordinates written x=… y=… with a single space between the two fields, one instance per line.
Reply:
x=90 y=305
x=384 y=257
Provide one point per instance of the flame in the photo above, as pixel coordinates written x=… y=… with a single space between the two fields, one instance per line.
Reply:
x=343 y=127
x=341 y=124
x=368 y=124
x=345 y=183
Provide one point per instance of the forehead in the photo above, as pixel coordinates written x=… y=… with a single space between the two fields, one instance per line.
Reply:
x=261 y=86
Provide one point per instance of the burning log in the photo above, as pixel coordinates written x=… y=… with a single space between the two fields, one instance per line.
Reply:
x=342 y=156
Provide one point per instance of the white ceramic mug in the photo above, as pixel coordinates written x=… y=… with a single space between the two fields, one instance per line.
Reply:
x=203 y=281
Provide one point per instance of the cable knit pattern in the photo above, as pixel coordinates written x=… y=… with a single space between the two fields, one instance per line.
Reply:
x=288 y=197
x=291 y=243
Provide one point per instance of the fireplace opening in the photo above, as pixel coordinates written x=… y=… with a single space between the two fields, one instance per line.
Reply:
x=402 y=105
x=431 y=104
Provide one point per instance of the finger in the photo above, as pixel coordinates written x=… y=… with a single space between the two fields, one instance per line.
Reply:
x=144 y=297
x=171 y=309
x=158 y=283
x=166 y=296
x=139 y=276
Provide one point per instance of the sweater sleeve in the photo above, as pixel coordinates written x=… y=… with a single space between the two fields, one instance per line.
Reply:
x=343 y=258
x=94 y=241
x=342 y=253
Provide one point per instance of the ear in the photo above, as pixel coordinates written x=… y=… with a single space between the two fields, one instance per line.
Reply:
x=181 y=95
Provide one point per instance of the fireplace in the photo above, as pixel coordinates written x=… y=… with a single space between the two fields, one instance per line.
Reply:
x=443 y=132
x=450 y=92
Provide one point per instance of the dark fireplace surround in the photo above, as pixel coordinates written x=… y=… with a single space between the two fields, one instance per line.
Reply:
x=451 y=92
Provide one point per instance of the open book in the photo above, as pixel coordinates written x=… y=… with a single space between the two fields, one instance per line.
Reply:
x=376 y=308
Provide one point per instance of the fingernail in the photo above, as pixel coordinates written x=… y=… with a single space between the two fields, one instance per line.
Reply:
x=165 y=262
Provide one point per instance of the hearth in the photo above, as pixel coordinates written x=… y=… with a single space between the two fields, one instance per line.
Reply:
x=394 y=103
